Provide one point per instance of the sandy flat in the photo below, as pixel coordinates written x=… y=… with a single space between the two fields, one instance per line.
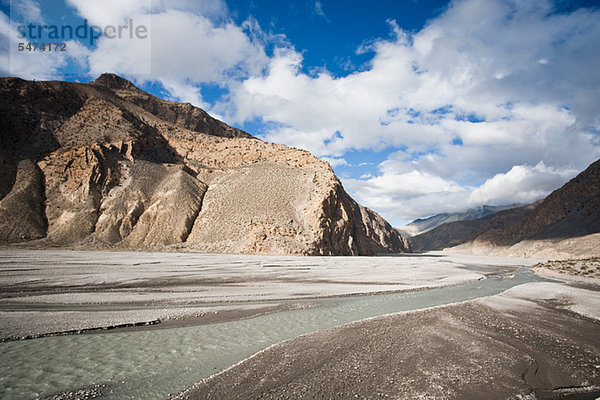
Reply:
x=51 y=291
x=536 y=340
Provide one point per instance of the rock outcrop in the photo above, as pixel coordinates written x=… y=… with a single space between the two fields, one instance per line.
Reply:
x=106 y=165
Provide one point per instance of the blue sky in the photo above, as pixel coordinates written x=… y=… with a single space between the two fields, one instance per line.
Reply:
x=329 y=32
x=421 y=106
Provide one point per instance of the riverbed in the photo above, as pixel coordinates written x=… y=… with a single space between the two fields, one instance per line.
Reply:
x=314 y=294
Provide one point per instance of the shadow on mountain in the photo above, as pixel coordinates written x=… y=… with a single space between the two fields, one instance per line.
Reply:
x=569 y=212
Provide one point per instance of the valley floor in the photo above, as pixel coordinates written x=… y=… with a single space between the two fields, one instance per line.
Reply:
x=45 y=292
x=534 y=340
x=538 y=340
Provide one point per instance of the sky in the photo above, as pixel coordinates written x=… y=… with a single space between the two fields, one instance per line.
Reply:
x=420 y=106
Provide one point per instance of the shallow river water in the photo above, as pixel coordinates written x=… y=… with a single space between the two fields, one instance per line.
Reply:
x=155 y=363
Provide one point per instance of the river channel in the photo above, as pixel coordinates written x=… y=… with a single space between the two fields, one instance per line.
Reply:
x=153 y=364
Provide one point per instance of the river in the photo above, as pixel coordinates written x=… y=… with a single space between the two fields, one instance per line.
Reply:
x=153 y=364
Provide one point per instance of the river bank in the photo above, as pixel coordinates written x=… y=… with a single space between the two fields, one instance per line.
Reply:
x=155 y=363
x=537 y=340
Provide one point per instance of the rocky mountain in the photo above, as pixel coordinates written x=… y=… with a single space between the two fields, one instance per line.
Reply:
x=106 y=165
x=423 y=225
x=570 y=214
x=454 y=233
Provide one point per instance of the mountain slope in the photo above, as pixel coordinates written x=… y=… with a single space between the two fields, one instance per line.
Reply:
x=455 y=233
x=105 y=164
x=572 y=211
x=422 y=225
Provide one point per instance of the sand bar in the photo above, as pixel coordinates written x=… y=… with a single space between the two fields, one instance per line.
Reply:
x=52 y=291
x=538 y=340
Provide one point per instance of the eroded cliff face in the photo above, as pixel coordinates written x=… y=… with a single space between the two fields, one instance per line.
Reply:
x=22 y=215
x=107 y=165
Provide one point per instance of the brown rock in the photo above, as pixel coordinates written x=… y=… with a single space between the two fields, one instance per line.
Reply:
x=119 y=167
x=21 y=210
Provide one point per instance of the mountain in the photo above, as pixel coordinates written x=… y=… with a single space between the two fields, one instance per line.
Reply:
x=423 y=225
x=569 y=215
x=106 y=165
x=454 y=233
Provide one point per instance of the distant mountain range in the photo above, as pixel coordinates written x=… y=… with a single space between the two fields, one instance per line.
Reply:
x=423 y=225
x=567 y=221
x=106 y=165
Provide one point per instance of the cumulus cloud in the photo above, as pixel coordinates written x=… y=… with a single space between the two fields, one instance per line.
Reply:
x=334 y=162
x=479 y=59
x=189 y=43
x=493 y=101
x=26 y=64
x=109 y=12
x=522 y=184
x=486 y=86
x=401 y=197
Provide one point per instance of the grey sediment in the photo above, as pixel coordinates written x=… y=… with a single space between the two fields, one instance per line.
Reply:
x=82 y=291
x=412 y=273
x=502 y=346
x=274 y=305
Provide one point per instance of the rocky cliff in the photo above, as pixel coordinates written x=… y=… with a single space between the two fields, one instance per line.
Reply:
x=105 y=164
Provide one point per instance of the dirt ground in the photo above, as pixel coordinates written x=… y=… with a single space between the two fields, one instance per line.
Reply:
x=46 y=292
x=512 y=345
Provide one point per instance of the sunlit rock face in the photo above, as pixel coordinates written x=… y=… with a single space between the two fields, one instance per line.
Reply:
x=106 y=165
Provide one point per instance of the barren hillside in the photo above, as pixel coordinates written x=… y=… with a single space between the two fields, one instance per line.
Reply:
x=105 y=164
x=565 y=223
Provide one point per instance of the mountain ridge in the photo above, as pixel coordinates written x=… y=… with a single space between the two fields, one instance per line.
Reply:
x=422 y=225
x=107 y=165
x=567 y=215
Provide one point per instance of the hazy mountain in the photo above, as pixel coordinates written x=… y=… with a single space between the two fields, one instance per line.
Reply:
x=454 y=233
x=105 y=164
x=423 y=225
x=568 y=213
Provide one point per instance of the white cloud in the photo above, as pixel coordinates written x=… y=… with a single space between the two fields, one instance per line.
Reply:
x=25 y=64
x=405 y=196
x=28 y=10
x=522 y=184
x=110 y=12
x=318 y=9
x=487 y=86
x=480 y=58
x=183 y=92
x=189 y=43
x=493 y=101
x=204 y=52
x=399 y=197
x=78 y=53
x=335 y=162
